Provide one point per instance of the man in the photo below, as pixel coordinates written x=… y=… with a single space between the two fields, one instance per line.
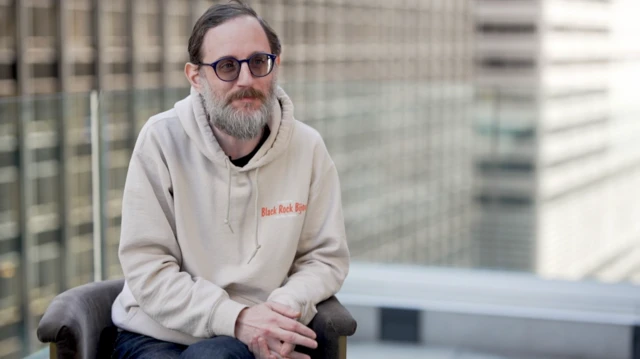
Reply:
x=232 y=227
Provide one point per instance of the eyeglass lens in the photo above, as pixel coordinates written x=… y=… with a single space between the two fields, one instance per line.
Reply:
x=259 y=64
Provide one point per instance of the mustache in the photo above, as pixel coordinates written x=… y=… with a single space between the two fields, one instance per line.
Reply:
x=248 y=92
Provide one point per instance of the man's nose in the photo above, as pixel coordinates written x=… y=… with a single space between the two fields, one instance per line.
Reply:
x=245 y=78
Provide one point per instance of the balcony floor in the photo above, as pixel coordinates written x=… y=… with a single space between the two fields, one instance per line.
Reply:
x=378 y=350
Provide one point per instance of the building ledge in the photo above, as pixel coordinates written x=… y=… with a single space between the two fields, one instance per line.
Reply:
x=492 y=311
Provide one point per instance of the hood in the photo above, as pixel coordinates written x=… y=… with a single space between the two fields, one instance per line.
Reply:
x=193 y=118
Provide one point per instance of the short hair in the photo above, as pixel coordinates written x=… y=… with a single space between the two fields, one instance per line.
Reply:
x=219 y=14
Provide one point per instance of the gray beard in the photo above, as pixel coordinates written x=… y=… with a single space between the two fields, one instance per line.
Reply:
x=233 y=122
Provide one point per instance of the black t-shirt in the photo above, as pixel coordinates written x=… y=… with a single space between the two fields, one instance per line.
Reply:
x=242 y=161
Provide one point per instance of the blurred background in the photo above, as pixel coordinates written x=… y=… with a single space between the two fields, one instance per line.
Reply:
x=496 y=137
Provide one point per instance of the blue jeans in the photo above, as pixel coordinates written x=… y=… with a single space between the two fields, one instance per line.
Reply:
x=137 y=346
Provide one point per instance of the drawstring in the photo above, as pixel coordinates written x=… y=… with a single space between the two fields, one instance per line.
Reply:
x=226 y=220
x=258 y=246
x=228 y=223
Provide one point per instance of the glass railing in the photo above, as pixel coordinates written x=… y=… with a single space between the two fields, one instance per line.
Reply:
x=432 y=174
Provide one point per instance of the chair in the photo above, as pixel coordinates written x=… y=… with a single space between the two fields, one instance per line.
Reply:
x=77 y=324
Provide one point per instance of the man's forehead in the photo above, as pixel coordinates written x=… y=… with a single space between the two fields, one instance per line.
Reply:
x=238 y=37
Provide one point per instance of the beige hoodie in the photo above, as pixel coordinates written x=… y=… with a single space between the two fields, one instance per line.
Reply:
x=202 y=239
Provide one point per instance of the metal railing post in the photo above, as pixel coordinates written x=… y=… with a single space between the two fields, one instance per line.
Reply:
x=98 y=189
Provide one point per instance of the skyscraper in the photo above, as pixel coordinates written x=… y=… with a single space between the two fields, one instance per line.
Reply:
x=555 y=123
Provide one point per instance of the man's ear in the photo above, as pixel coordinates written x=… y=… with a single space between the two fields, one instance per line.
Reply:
x=192 y=72
x=278 y=60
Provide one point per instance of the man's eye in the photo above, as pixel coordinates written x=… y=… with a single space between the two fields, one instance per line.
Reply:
x=259 y=60
x=226 y=66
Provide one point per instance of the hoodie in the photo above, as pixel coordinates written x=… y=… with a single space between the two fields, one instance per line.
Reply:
x=202 y=239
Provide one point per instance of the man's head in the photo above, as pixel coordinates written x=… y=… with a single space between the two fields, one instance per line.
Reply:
x=236 y=95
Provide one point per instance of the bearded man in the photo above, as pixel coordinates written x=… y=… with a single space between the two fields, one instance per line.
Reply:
x=232 y=226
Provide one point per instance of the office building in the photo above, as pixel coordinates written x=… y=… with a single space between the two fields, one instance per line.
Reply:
x=555 y=121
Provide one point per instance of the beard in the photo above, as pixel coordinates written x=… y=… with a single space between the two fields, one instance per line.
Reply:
x=242 y=123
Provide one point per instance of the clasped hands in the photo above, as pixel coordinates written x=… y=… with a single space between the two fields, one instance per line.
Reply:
x=271 y=331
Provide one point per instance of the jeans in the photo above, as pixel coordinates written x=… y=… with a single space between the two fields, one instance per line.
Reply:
x=137 y=346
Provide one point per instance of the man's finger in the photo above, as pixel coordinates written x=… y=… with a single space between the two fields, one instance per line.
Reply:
x=284 y=310
x=296 y=355
x=274 y=345
x=297 y=327
x=293 y=338
x=253 y=347
x=264 y=350
x=286 y=349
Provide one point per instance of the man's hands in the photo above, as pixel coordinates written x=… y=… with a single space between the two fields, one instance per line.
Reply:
x=271 y=331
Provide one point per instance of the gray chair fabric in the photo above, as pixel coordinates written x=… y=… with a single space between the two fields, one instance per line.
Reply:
x=78 y=322
x=330 y=323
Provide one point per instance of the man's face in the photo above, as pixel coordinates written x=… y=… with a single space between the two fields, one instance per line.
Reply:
x=241 y=107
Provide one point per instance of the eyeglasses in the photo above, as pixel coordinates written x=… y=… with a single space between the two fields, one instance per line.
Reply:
x=228 y=68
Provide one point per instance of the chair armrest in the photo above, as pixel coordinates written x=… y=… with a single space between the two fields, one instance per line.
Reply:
x=75 y=319
x=333 y=319
x=332 y=324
